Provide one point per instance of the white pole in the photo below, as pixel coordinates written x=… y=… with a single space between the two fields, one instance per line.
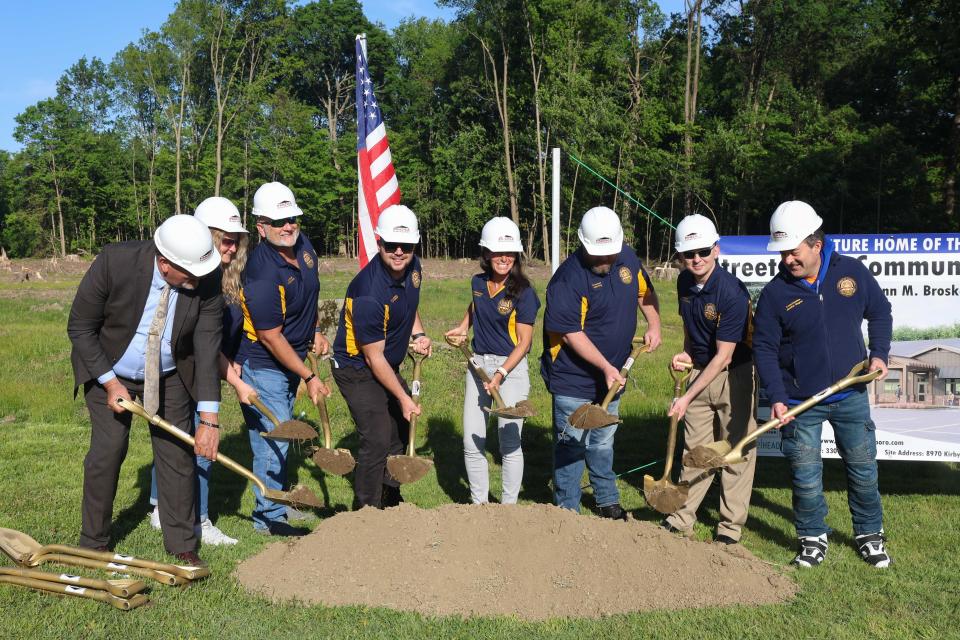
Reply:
x=555 y=226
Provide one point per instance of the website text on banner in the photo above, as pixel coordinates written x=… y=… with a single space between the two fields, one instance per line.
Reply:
x=917 y=408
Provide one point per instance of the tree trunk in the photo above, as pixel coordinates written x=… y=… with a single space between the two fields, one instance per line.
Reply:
x=691 y=83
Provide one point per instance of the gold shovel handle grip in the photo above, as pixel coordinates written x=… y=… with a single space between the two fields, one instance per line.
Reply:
x=480 y=373
x=415 y=385
x=183 y=436
x=321 y=403
x=638 y=347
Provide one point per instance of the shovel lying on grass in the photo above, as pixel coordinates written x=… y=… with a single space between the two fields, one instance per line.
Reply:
x=522 y=409
x=33 y=581
x=721 y=454
x=335 y=461
x=298 y=496
x=288 y=430
x=410 y=468
x=591 y=416
x=663 y=495
x=118 y=588
x=27 y=552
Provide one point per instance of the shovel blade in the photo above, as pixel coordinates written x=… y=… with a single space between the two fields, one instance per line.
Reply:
x=336 y=461
x=664 y=496
x=298 y=496
x=292 y=431
x=523 y=409
x=407 y=469
x=708 y=456
x=591 y=416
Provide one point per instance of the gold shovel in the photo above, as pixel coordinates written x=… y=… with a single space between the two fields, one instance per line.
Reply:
x=297 y=496
x=118 y=588
x=721 y=454
x=522 y=409
x=335 y=461
x=410 y=468
x=663 y=495
x=591 y=416
x=27 y=552
x=48 y=586
x=288 y=430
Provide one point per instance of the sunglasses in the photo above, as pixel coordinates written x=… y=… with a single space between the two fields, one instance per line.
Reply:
x=282 y=222
x=702 y=253
x=228 y=242
x=391 y=247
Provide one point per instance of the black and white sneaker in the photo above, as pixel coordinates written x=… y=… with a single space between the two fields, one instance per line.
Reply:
x=813 y=549
x=873 y=549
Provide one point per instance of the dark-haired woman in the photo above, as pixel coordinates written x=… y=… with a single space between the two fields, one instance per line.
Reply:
x=502 y=313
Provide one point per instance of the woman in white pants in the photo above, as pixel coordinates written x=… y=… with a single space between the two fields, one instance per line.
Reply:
x=502 y=313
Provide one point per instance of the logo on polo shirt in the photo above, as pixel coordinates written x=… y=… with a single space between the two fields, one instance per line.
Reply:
x=415 y=277
x=394 y=298
x=291 y=279
x=710 y=312
x=308 y=260
x=847 y=287
x=477 y=294
x=505 y=306
x=625 y=276
x=793 y=304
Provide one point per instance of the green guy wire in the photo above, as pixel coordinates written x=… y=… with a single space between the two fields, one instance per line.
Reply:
x=622 y=192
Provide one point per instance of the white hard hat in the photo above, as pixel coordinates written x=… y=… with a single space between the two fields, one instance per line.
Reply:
x=501 y=234
x=220 y=213
x=600 y=232
x=274 y=200
x=186 y=242
x=695 y=232
x=398 y=224
x=791 y=224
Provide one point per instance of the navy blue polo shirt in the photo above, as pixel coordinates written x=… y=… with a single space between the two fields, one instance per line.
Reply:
x=376 y=308
x=277 y=294
x=232 y=330
x=808 y=336
x=720 y=310
x=603 y=307
x=495 y=317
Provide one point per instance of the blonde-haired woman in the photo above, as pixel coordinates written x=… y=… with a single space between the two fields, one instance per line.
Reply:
x=230 y=239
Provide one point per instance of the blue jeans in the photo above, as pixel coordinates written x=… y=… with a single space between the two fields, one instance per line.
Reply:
x=203 y=481
x=277 y=390
x=857 y=445
x=572 y=448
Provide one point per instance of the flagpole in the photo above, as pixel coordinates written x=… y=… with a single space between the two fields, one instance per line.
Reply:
x=555 y=223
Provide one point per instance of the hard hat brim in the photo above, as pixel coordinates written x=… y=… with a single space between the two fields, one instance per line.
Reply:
x=609 y=249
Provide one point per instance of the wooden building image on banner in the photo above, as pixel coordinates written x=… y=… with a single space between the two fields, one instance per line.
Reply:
x=923 y=373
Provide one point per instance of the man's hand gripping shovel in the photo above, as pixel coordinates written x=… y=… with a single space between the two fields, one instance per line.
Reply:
x=591 y=416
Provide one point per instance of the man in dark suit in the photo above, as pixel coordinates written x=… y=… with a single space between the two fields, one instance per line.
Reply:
x=146 y=321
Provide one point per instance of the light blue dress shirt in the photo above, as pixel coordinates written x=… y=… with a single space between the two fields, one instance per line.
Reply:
x=131 y=364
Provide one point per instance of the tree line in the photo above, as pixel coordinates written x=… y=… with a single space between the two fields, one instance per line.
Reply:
x=726 y=108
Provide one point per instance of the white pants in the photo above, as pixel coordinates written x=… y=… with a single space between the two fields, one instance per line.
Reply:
x=515 y=388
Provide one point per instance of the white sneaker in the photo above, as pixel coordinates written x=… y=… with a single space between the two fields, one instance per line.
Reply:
x=155 y=518
x=209 y=534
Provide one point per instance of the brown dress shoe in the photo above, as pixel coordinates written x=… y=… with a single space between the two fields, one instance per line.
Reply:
x=189 y=558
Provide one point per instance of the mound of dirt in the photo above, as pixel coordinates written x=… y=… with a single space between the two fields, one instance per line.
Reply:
x=534 y=562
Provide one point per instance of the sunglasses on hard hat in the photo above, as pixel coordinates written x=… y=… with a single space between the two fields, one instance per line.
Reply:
x=391 y=247
x=282 y=222
x=702 y=253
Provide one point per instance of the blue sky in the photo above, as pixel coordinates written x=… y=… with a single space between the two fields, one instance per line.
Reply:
x=39 y=40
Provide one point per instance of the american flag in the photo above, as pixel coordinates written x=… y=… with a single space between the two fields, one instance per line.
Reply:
x=378 y=187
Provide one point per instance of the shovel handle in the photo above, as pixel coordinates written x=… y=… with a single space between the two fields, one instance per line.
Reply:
x=418 y=359
x=181 y=435
x=480 y=373
x=638 y=348
x=166 y=577
x=321 y=403
x=119 y=588
x=679 y=386
x=262 y=408
x=76 y=591
x=850 y=379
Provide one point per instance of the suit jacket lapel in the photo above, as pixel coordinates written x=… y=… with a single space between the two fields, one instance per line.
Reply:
x=141 y=286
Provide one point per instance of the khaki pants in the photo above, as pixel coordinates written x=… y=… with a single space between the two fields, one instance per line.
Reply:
x=724 y=410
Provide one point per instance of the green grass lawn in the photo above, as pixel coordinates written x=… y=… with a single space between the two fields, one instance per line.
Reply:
x=44 y=436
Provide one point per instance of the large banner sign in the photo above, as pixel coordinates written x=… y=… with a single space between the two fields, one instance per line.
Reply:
x=916 y=408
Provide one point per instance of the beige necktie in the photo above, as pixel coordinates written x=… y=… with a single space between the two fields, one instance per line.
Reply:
x=151 y=370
